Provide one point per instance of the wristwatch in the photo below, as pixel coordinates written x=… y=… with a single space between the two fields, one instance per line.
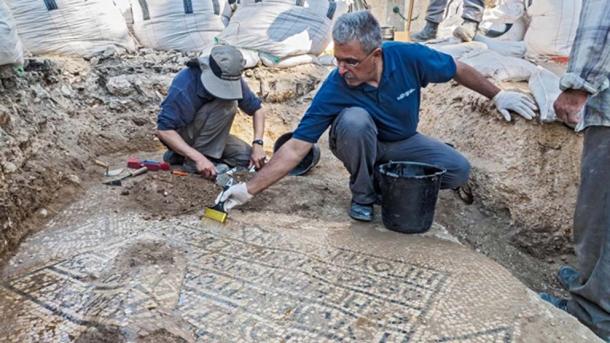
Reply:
x=258 y=141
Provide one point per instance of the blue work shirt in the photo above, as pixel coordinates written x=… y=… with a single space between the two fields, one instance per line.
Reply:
x=393 y=105
x=187 y=94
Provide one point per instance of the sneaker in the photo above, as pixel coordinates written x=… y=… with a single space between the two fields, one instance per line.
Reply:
x=466 y=31
x=427 y=33
x=567 y=277
x=189 y=166
x=560 y=303
x=173 y=158
x=361 y=212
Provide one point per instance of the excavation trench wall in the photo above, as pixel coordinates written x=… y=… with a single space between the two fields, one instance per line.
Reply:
x=521 y=170
x=63 y=112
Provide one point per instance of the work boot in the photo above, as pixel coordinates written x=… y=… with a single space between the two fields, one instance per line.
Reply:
x=427 y=33
x=361 y=212
x=190 y=166
x=560 y=303
x=172 y=158
x=466 y=31
x=567 y=277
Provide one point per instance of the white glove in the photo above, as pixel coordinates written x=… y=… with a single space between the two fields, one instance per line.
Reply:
x=234 y=196
x=516 y=102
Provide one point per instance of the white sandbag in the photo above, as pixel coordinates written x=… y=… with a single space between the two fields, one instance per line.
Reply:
x=544 y=86
x=325 y=60
x=287 y=62
x=553 y=26
x=507 y=20
x=70 y=27
x=451 y=19
x=458 y=50
x=189 y=25
x=11 y=50
x=251 y=57
x=125 y=7
x=283 y=27
x=499 y=67
x=506 y=48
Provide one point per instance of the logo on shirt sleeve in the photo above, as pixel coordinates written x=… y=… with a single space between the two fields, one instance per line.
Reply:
x=405 y=94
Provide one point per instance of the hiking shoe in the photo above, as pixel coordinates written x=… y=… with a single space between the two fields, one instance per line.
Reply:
x=560 y=303
x=466 y=31
x=427 y=33
x=190 y=166
x=361 y=212
x=567 y=277
x=172 y=158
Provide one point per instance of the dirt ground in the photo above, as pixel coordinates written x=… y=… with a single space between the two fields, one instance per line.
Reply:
x=66 y=112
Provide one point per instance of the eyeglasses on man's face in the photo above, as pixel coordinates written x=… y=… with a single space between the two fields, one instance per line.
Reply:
x=351 y=63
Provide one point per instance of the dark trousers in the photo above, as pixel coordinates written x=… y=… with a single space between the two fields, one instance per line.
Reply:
x=590 y=301
x=353 y=140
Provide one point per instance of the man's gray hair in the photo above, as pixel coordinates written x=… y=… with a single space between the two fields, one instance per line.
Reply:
x=361 y=26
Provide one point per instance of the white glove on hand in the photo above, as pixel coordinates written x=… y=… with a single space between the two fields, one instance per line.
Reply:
x=516 y=102
x=234 y=196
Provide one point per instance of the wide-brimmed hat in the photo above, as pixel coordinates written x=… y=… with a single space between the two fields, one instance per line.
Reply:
x=221 y=72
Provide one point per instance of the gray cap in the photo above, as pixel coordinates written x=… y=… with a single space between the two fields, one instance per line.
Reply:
x=221 y=72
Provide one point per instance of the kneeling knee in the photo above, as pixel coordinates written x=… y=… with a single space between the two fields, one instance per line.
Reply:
x=354 y=121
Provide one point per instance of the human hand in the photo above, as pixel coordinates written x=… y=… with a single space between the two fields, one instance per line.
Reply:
x=235 y=195
x=569 y=104
x=258 y=157
x=516 y=102
x=205 y=168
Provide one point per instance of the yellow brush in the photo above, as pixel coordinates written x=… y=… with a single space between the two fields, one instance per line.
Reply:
x=216 y=213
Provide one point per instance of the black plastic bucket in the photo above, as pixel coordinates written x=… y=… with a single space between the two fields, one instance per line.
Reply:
x=409 y=192
x=308 y=162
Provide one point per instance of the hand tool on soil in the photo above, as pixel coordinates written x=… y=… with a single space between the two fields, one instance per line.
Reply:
x=179 y=173
x=108 y=172
x=117 y=181
x=152 y=165
x=217 y=212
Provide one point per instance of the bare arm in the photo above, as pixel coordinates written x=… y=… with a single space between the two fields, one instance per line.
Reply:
x=257 y=158
x=258 y=123
x=468 y=77
x=288 y=157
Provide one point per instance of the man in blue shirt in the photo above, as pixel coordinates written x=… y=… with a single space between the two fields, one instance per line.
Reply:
x=197 y=114
x=371 y=102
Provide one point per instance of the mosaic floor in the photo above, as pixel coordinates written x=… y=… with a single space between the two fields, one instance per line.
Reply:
x=114 y=276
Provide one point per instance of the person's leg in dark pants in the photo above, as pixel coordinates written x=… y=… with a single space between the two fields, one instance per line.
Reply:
x=590 y=301
x=420 y=148
x=353 y=140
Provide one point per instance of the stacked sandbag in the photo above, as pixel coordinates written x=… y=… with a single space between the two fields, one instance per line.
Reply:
x=553 y=26
x=188 y=25
x=281 y=29
x=70 y=27
x=499 y=67
x=11 y=51
x=504 y=22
